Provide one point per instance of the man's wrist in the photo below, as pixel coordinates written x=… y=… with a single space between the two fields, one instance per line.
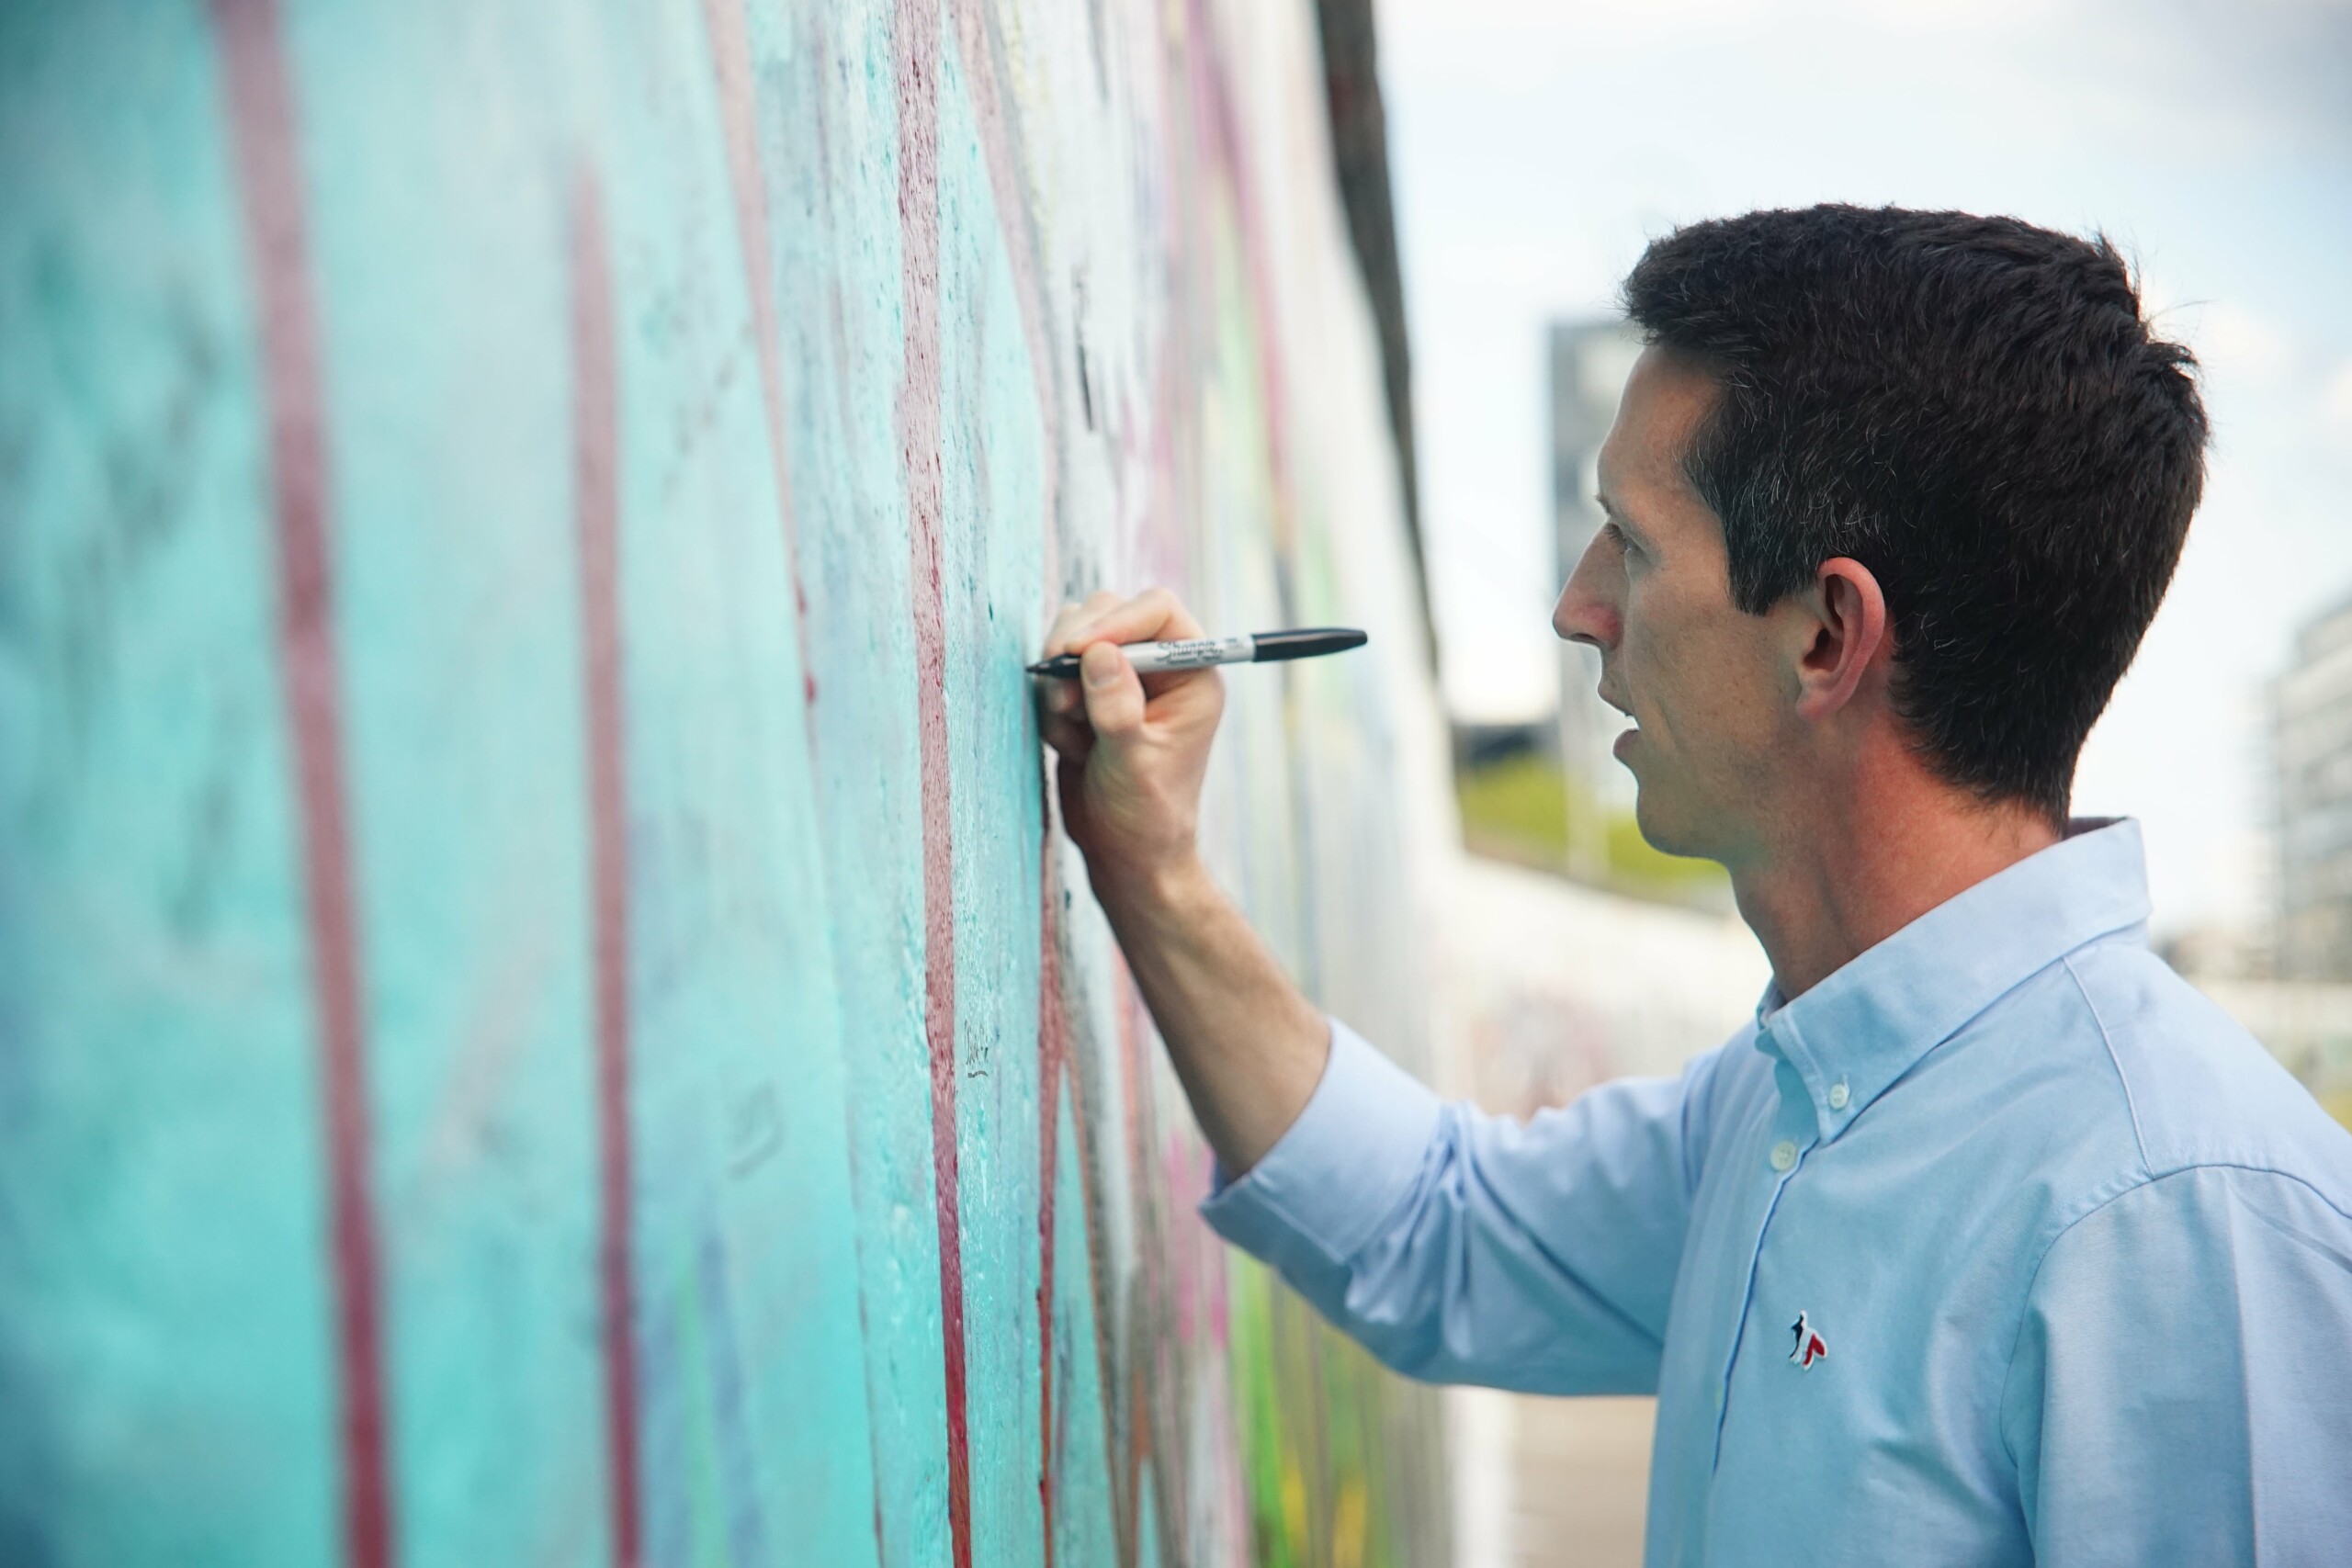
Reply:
x=1169 y=889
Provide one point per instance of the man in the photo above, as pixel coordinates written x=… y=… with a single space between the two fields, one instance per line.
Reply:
x=1990 y=1241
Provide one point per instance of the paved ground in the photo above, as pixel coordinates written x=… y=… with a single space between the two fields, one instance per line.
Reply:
x=1549 y=1483
x=1582 y=1472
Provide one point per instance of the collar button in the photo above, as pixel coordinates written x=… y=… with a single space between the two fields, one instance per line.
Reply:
x=1838 y=1095
x=1784 y=1155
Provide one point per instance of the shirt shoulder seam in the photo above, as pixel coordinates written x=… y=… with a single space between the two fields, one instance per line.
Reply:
x=2149 y=1178
x=2191 y=1167
x=2033 y=1278
x=2106 y=1043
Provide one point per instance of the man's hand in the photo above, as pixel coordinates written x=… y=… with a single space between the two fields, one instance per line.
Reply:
x=1132 y=750
x=1248 y=1047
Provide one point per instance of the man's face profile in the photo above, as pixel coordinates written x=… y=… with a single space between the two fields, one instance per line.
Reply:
x=1708 y=686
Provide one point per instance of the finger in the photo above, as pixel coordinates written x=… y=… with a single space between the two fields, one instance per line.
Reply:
x=1113 y=697
x=1169 y=693
x=1061 y=638
x=1068 y=618
x=1072 y=740
x=1057 y=695
x=1057 y=630
x=1161 y=683
x=1069 y=786
x=1153 y=616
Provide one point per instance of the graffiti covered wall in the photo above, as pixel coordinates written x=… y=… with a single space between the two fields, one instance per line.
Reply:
x=544 y=1018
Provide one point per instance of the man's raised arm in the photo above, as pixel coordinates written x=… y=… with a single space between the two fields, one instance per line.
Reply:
x=1454 y=1245
x=1247 y=1046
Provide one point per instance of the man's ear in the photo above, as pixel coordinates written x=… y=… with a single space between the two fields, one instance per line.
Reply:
x=1849 y=637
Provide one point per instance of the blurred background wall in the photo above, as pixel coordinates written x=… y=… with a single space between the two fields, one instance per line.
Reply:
x=544 y=1016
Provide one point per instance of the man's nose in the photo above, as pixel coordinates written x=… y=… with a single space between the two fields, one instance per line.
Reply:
x=1588 y=609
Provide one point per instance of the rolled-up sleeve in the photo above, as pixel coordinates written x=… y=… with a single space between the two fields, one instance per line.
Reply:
x=2181 y=1388
x=1463 y=1247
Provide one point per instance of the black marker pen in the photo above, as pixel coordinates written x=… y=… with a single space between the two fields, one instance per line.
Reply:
x=1260 y=647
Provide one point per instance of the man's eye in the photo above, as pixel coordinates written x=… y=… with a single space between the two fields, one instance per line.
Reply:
x=1616 y=536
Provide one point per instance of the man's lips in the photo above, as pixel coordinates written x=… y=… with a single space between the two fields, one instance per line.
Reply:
x=1618 y=747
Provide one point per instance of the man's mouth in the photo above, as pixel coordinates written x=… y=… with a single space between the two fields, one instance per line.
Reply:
x=1618 y=747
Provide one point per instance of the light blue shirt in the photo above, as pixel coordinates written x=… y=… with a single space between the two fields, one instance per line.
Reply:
x=2073 y=1257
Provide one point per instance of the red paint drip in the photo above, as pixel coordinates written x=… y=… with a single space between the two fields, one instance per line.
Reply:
x=1106 y=1374
x=1133 y=1068
x=1139 y=1453
x=1213 y=99
x=1053 y=1047
x=916 y=37
x=597 y=501
x=730 y=53
x=732 y=59
x=1000 y=151
x=261 y=111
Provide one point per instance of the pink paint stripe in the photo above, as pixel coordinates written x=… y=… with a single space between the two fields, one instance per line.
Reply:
x=1090 y=1160
x=1053 y=1048
x=1000 y=144
x=730 y=52
x=596 y=501
x=738 y=107
x=1213 y=96
x=261 y=112
x=1146 y=1287
x=979 y=49
x=1049 y=1092
x=916 y=37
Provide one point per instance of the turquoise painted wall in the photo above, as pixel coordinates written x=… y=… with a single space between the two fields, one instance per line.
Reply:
x=544 y=1017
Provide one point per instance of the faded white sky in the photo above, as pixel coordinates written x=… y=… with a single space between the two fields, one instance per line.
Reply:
x=1537 y=145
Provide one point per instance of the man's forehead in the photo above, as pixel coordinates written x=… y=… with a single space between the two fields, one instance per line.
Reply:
x=1665 y=401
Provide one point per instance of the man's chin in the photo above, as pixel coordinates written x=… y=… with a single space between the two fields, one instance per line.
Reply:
x=1659 y=824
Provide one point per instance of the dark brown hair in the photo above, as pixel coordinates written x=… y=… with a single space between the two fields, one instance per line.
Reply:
x=1973 y=408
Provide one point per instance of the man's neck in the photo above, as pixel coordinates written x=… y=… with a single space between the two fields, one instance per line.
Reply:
x=1849 y=872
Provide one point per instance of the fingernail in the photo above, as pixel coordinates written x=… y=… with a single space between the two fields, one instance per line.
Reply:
x=1101 y=671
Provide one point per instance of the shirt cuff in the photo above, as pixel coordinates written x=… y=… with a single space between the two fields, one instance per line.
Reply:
x=1341 y=1171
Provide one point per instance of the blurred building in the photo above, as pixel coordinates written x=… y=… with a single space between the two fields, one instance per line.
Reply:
x=2312 y=740
x=1588 y=361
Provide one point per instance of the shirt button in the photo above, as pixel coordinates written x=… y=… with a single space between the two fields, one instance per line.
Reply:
x=1784 y=1155
x=1838 y=1095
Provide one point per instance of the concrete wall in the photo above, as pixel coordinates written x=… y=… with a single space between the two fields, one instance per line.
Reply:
x=543 y=1014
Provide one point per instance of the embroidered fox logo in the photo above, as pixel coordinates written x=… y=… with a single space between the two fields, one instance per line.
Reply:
x=1809 y=1347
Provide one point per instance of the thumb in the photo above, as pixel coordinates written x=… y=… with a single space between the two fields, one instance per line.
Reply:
x=1114 y=694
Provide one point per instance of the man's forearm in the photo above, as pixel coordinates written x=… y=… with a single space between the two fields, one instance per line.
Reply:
x=1247 y=1046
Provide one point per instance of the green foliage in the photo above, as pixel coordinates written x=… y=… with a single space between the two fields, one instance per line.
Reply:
x=1521 y=809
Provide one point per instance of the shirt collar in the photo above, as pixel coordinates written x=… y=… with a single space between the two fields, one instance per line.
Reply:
x=1852 y=1035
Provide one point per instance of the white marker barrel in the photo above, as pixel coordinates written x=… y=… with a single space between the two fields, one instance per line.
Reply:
x=1192 y=655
